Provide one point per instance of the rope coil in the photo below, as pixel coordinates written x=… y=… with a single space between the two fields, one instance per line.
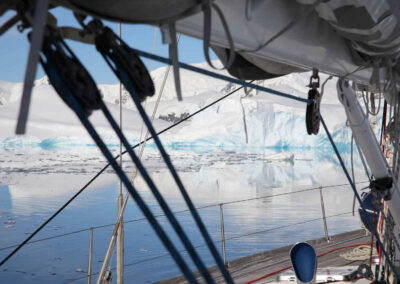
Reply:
x=359 y=253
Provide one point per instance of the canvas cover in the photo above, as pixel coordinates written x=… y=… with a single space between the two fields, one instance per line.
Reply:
x=372 y=26
x=136 y=11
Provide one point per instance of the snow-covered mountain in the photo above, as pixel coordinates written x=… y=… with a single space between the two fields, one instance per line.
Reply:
x=271 y=121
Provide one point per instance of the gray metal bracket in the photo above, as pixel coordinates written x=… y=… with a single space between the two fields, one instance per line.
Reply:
x=38 y=25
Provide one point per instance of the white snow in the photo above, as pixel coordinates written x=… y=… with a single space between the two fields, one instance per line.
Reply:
x=272 y=121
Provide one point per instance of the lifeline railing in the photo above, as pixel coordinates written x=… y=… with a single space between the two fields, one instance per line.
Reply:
x=223 y=239
x=179 y=212
x=79 y=111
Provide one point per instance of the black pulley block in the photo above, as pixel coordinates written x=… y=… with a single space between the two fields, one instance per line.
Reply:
x=124 y=61
x=313 y=116
x=65 y=72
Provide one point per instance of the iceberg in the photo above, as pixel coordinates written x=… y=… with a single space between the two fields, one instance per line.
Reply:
x=272 y=121
x=283 y=156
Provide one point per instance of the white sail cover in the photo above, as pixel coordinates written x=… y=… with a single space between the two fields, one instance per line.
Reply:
x=136 y=11
x=372 y=26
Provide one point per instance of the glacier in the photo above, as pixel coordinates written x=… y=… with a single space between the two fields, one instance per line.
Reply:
x=272 y=121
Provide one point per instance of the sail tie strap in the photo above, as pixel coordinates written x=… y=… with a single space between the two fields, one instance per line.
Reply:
x=207 y=10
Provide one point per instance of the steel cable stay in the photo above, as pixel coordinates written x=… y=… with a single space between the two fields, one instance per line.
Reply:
x=75 y=105
x=163 y=204
x=221 y=77
x=65 y=205
x=236 y=81
x=120 y=222
x=235 y=237
x=83 y=99
x=285 y=226
x=161 y=201
x=178 y=212
x=218 y=76
x=205 y=72
x=353 y=187
x=135 y=95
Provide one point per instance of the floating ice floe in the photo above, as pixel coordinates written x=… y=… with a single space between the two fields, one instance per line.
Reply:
x=281 y=159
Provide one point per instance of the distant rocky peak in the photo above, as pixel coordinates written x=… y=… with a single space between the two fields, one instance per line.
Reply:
x=43 y=81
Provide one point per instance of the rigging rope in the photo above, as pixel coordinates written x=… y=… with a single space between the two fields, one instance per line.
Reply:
x=202 y=228
x=222 y=77
x=367 y=100
x=207 y=11
x=374 y=231
x=286 y=28
x=156 y=105
x=188 y=67
x=352 y=169
x=179 y=212
x=397 y=126
x=244 y=116
x=120 y=230
x=233 y=238
x=163 y=204
x=218 y=76
x=360 y=253
x=76 y=107
x=65 y=205
x=145 y=105
x=142 y=204
x=382 y=141
x=112 y=242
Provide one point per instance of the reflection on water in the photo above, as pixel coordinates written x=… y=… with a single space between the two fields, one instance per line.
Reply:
x=35 y=186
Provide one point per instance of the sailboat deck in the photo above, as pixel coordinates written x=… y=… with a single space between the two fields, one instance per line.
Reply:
x=254 y=266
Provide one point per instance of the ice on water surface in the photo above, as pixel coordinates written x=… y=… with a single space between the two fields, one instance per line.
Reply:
x=43 y=169
x=271 y=121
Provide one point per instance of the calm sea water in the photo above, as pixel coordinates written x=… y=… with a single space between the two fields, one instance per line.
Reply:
x=34 y=184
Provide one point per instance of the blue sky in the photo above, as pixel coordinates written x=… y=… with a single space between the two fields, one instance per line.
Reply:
x=14 y=48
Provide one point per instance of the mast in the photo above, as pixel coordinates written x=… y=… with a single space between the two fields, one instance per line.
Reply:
x=368 y=143
x=120 y=238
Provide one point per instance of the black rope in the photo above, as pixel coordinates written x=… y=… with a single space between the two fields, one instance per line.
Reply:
x=291 y=24
x=202 y=228
x=169 y=245
x=222 y=77
x=231 y=238
x=161 y=201
x=353 y=187
x=103 y=169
